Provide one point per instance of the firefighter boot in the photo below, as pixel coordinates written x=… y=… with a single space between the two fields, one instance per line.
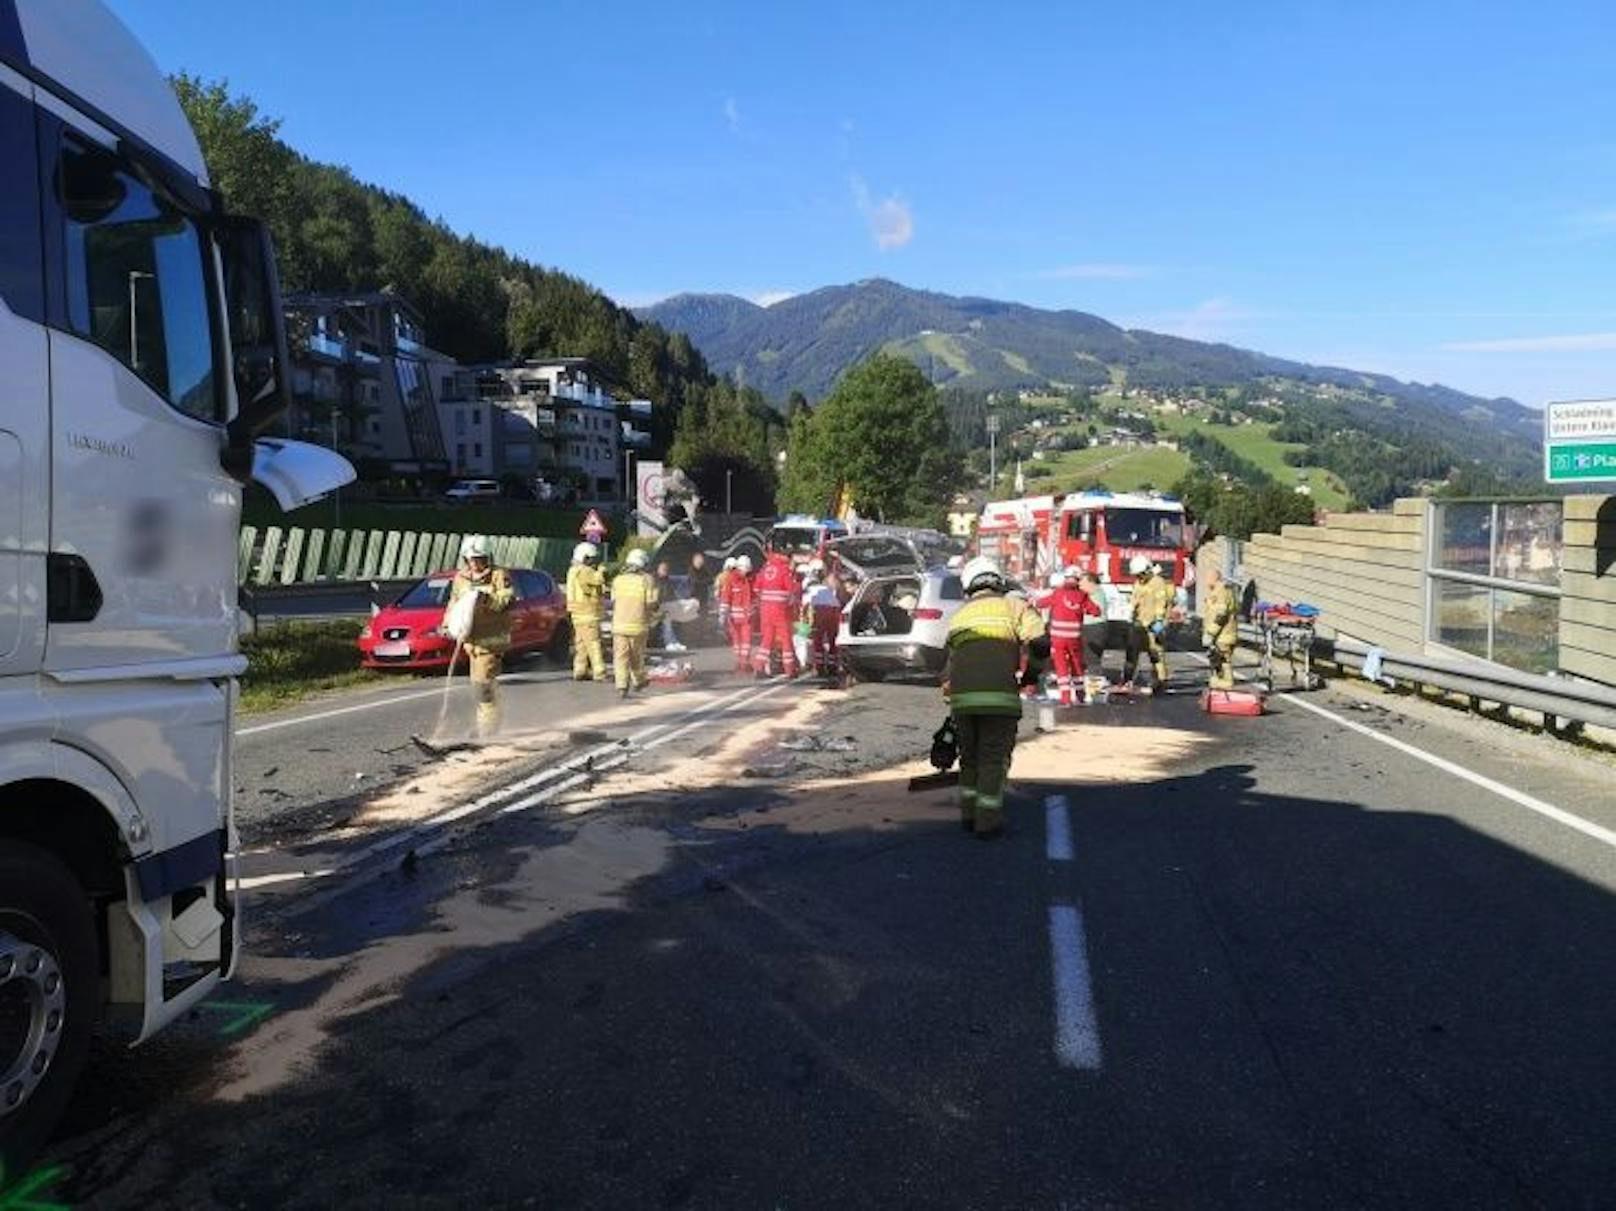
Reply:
x=967 y=806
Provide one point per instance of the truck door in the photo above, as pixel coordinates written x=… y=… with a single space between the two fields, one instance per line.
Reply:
x=144 y=516
x=141 y=593
x=24 y=387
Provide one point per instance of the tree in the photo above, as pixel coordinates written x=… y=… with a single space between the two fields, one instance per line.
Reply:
x=723 y=444
x=479 y=303
x=883 y=437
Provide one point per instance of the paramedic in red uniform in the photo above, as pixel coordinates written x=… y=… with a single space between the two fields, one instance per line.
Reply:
x=779 y=599
x=1068 y=606
x=822 y=608
x=739 y=596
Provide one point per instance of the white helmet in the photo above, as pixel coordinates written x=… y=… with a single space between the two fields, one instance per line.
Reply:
x=475 y=547
x=635 y=559
x=743 y=564
x=584 y=552
x=1139 y=565
x=729 y=564
x=981 y=573
x=1057 y=580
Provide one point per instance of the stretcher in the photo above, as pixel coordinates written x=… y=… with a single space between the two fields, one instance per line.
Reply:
x=1287 y=635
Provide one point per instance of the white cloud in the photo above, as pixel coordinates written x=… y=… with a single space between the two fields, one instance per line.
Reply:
x=732 y=115
x=769 y=298
x=892 y=223
x=1100 y=270
x=1576 y=342
x=1212 y=319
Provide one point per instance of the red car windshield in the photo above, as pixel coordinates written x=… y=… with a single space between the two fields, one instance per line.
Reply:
x=425 y=594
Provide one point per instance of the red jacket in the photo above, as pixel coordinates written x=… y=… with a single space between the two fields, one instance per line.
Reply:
x=777 y=586
x=739 y=593
x=1067 y=609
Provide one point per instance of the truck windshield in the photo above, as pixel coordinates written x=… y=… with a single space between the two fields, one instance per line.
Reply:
x=794 y=540
x=1144 y=528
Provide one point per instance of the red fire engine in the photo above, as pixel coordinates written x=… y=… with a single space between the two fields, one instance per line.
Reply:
x=1097 y=532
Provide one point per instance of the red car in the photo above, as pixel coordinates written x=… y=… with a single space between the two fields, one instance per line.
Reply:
x=408 y=634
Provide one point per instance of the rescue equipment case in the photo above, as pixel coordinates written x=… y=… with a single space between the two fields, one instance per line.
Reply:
x=1231 y=702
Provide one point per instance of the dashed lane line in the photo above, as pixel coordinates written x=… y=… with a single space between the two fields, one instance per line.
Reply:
x=1077 y=1028
x=1077 y=1025
x=553 y=780
x=1057 y=829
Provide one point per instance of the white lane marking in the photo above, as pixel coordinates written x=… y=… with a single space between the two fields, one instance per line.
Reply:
x=341 y=710
x=1558 y=815
x=1077 y=1028
x=616 y=753
x=1058 y=829
x=296 y=876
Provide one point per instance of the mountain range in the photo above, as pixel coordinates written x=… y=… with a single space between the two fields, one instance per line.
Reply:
x=805 y=342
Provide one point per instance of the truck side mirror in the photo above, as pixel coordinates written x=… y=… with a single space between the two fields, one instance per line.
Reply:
x=259 y=364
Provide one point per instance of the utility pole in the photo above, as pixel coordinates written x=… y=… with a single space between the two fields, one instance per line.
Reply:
x=728 y=474
x=993 y=451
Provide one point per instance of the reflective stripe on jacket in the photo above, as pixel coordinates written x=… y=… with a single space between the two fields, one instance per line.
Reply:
x=586 y=588
x=634 y=603
x=985 y=637
x=1067 y=608
x=1152 y=599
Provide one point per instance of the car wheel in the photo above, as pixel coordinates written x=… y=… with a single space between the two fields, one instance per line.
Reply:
x=560 y=640
x=49 y=996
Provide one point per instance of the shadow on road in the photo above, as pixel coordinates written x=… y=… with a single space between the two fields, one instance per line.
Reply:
x=760 y=998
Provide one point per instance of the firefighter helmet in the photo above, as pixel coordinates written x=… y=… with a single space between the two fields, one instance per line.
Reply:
x=1140 y=565
x=585 y=552
x=635 y=559
x=981 y=573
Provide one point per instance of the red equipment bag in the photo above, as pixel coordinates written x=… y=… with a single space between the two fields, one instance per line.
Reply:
x=1231 y=702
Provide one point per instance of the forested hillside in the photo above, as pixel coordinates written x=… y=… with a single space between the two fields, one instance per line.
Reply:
x=336 y=233
x=806 y=342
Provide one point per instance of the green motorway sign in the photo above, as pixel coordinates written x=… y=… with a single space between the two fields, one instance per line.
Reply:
x=1579 y=441
x=1582 y=460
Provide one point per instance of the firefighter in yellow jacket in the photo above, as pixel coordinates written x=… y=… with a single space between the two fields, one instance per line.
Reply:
x=490 y=626
x=586 y=597
x=1220 y=630
x=985 y=641
x=634 y=611
x=1153 y=600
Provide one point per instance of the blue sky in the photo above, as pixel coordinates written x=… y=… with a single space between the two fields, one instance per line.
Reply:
x=1424 y=189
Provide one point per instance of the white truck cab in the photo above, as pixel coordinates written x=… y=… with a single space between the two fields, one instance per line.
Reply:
x=142 y=352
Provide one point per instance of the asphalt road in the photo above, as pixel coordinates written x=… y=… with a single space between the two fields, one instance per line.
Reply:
x=704 y=950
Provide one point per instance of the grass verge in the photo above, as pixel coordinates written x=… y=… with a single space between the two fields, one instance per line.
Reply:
x=290 y=661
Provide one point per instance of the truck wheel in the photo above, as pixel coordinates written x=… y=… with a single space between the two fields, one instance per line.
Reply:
x=48 y=997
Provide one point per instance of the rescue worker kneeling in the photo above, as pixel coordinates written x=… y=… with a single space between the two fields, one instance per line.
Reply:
x=634 y=610
x=490 y=626
x=985 y=641
x=1221 y=630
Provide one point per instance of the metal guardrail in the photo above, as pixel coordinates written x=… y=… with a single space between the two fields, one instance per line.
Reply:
x=1556 y=697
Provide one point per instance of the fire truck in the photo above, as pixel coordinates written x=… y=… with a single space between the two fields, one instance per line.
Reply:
x=1095 y=531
